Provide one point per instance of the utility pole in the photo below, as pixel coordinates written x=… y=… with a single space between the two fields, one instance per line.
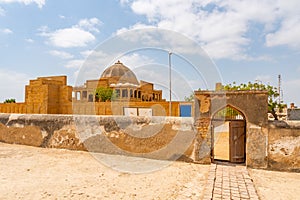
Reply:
x=170 y=85
x=279 y=89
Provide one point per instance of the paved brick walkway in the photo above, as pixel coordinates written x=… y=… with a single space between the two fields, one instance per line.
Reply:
x=229 y=182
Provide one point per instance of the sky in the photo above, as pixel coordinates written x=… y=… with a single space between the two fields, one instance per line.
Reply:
x=243 y=41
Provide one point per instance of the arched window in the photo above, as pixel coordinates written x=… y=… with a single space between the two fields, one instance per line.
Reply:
x=91 y=98
x=228 y=113
x=135 y=94
x=78 y=96
x=131 y=93
x=124 y=93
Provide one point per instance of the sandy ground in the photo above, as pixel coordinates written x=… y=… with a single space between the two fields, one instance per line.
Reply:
x=274 y=185
x=37 y=173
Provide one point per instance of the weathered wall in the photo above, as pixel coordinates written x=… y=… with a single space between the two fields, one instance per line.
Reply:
x=13 y=108
x=156 y=137
x=275 y=146
x=256 y=146
x=284 y=145
x=293 y=114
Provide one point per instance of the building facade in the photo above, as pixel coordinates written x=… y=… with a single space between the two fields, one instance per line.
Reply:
x=44 y=95
x=124 y=84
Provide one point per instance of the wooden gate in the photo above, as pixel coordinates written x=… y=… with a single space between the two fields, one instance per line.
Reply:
x=237 y=141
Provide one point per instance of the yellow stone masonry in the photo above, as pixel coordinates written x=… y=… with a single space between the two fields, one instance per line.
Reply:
x=52 y=95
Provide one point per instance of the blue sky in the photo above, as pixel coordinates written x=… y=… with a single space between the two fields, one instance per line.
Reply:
x=246 y=40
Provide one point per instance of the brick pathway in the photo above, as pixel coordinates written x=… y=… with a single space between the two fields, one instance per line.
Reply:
x=229 y=182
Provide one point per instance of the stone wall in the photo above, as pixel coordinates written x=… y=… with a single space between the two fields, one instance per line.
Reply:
x=13 y=108
x=275 y=146
x=156 y=137
x=284 y=145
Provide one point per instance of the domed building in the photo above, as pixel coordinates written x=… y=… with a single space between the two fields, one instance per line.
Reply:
x=123 y=82
x=120 y=74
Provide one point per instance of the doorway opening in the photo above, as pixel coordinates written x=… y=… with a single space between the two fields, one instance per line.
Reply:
x=228 y=129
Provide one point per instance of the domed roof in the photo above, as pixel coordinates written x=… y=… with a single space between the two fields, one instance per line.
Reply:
x=122 y=73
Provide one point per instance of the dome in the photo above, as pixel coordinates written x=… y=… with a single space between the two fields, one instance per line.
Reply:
x=121 y=73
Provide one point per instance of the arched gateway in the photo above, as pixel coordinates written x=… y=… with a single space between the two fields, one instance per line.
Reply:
x=229 y=126
x=228 y=134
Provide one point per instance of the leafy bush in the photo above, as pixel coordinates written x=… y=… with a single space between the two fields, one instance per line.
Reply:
x=104 y=94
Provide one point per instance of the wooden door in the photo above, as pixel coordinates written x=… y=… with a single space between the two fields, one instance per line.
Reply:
x=237 y=141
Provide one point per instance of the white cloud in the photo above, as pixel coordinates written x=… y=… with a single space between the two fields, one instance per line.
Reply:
x=135 y=26
x=62 y=17
x=12 y=85
x=86 y=53
x=6 y=31
x=288 y=34
x=29 y=40
x=135 y=60
x=90 y=24
x=2 y=12
x=123 y=2
x=76 y=64
x=78 y=35
x=221 y=27
x=70 y=37
x=43 y=29
x=40 y=3
x=61 y=54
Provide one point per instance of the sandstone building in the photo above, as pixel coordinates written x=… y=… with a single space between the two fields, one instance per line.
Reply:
x=44 y=95
x=123 y=82
x=52 y=95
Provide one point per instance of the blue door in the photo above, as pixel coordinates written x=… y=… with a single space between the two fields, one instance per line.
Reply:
x=185 y=110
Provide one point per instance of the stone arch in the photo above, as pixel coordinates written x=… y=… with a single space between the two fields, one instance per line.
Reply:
x=254 y=107
x=229 y=106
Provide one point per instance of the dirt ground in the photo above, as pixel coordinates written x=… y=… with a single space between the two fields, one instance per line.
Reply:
x=274 y=185
x=37 y=173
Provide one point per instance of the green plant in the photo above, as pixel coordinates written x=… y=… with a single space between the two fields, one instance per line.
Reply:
x=103 y=94
x=10 y=101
